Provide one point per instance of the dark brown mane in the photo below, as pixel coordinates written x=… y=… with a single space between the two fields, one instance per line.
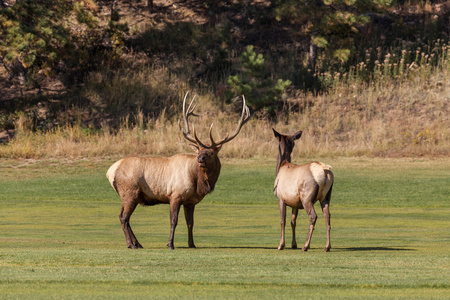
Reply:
x=206 y=179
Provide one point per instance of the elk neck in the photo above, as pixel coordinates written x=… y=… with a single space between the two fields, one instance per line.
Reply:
x=207 y=177
x=283 y=156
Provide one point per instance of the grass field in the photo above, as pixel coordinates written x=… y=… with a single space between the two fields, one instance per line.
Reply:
x=61 y=236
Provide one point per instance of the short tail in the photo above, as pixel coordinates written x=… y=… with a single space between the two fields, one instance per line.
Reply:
x=325 y=167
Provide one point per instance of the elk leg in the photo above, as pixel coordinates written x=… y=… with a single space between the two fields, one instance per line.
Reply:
x=282 y=207
x=124 y=216
x=326 y=214
x=133 y=238
x=124 y=223
x=189 y=215
x=309 y=208
x=174 y=210
x=293 y=223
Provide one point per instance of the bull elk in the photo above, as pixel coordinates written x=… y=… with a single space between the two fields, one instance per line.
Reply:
x=300 y=186
x=182 y=179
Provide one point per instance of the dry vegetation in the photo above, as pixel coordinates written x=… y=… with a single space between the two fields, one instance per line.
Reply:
x=404 y=115
x=410 y=118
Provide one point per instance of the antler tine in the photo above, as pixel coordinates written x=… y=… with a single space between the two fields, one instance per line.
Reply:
x=197 y=140
x=213 y=143
x=245 y=116
x=186 y=123
x=190 y=112
x=186 y=135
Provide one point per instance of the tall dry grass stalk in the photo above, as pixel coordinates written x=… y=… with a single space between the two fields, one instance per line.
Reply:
x=402 y=115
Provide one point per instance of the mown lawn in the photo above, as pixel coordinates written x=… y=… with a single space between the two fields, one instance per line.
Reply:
x=61 y=236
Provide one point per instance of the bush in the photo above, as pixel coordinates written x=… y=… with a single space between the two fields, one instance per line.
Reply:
x=261 y=90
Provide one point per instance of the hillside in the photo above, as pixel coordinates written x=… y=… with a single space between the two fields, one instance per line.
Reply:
x=391 y=97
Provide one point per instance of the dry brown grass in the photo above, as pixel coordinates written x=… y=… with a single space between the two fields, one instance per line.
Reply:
x=402 y=115
x=406 y=119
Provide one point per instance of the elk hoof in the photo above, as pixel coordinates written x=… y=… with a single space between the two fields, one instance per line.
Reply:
x=170 y=245
x=327 y=249
x=281 y=247
x=294 y=246
x=192 y=246
x=304 y=249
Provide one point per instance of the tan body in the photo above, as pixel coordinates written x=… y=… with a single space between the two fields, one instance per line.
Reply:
x=158 y=179
x=294 y=181
x=299 y=187
x=179 y=180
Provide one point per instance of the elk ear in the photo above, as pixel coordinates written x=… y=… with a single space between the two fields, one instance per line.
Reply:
x=295 y=136
x=194 y=147
x=277 y=135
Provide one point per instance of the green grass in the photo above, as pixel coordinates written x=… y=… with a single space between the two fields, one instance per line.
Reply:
x=61 y=236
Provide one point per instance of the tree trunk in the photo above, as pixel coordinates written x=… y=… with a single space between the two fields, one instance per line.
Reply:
x=150 y=5
x=112 y=10
x=312 y=58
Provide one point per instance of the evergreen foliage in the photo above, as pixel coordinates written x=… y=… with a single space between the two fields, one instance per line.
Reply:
x=40 y=39
x=260 y=88
x=26 y=35
x=332 y=25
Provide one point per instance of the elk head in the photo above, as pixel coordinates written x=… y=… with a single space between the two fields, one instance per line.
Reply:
x=208 y=161
x=285 y=146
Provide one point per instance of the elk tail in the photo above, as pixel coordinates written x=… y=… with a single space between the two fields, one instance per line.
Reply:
x=325 y=167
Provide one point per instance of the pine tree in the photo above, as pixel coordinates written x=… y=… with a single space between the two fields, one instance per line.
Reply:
x=261 y=90
x=36 y=37
x=331 y=25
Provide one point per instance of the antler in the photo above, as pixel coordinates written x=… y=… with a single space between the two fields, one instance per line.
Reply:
x=190 y=112
x=195 y=140
x=245 y=116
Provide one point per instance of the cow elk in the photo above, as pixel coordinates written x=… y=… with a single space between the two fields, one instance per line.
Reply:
x=300 y=186
x=182 y=179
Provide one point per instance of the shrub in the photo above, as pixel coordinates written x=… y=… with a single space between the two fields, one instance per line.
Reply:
x=261 y=90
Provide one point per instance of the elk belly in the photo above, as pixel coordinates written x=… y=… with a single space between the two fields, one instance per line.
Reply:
x=288 y=191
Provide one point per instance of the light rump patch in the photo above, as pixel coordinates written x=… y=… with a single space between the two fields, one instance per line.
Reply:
x=318 y=171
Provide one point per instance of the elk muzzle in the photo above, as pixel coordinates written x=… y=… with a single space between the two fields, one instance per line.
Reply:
x=202 y=160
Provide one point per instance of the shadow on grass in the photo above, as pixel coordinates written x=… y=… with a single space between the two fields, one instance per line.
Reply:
x=343 y=249
x=373 y=249
x=350 y=249
x=231 y=247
